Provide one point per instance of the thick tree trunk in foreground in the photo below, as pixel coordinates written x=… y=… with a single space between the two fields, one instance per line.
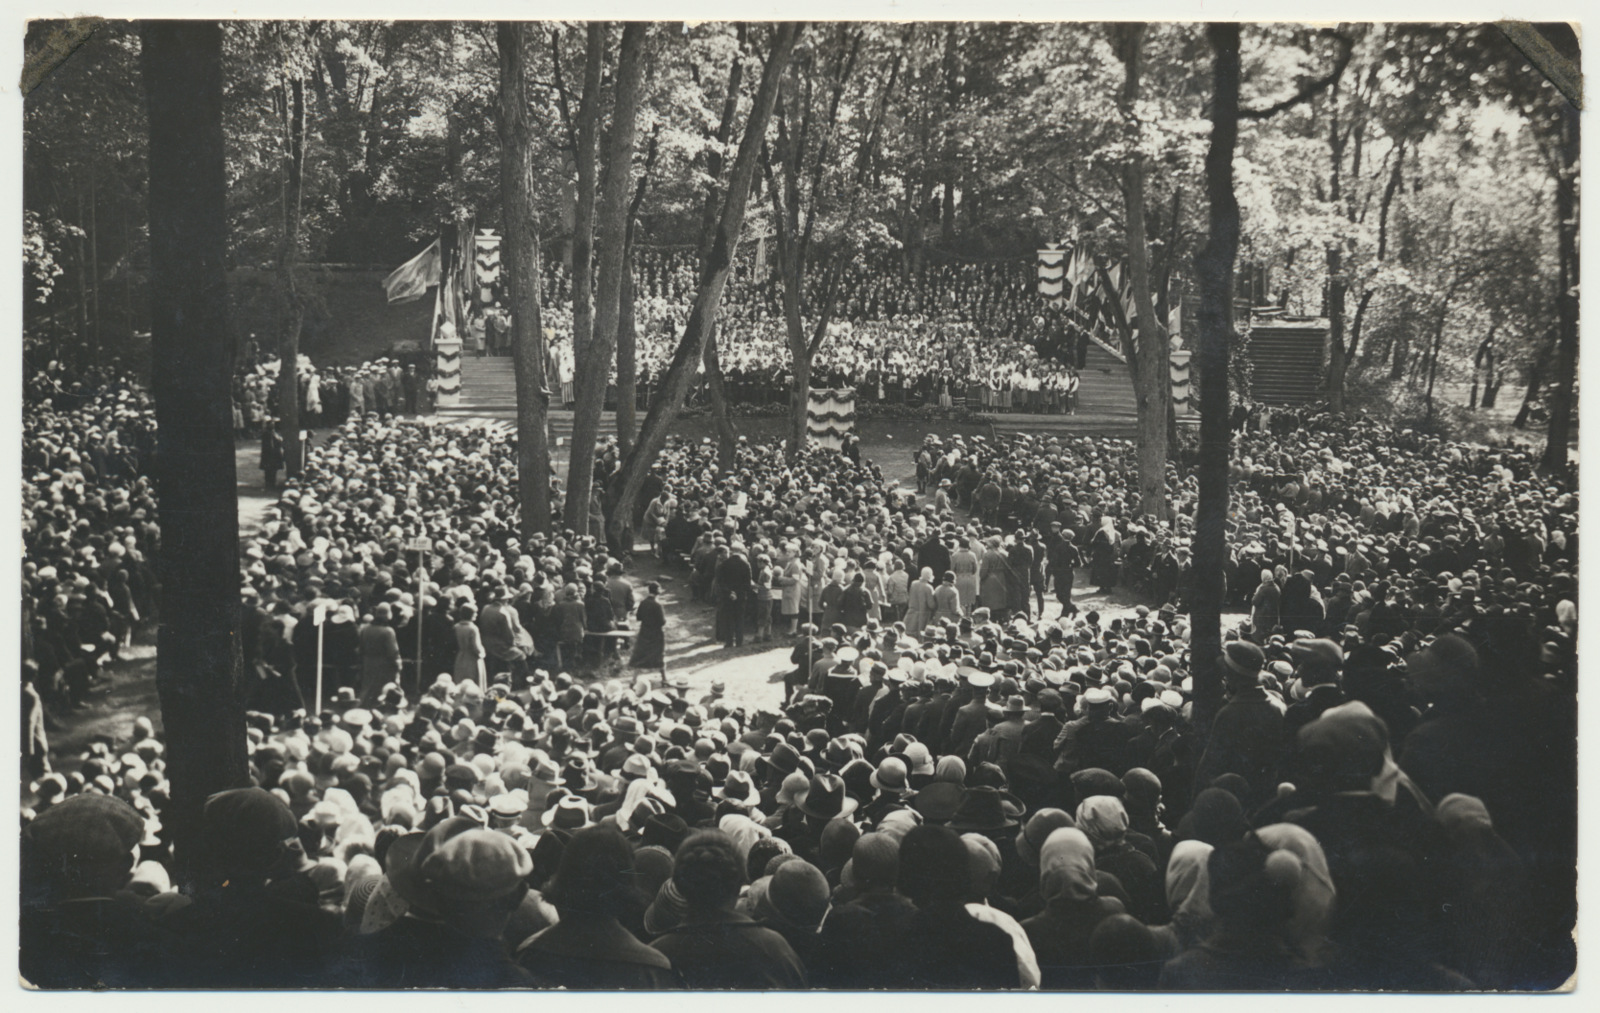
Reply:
x=594 y=358
x=1214 y=270
x=714 y=272
x=521 y=253
x=197 y=657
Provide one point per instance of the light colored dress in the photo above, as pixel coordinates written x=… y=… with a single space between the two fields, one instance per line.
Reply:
x=964 y=563
x=469 y=652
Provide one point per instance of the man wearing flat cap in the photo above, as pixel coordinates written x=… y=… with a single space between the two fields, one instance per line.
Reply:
x=75 y=932
x=1247 y=733
x=461 y=884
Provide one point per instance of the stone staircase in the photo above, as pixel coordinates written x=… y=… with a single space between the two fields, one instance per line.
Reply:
x=489 y=393
x=1287 y=360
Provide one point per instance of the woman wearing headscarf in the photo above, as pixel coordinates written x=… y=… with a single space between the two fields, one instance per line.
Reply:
x=1188 y=897
x=1061 y=933
x=596 y=891
x=1265 y=606
x=1313 y=896
x=1252 y=890
x=1103 y=550
x=1486 y=889
x=919 y=603
x=1104 y=821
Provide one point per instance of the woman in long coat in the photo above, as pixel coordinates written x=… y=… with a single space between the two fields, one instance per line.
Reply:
x=946 y=602
x=1103 y=550
x=469 y=646
x=793 y=581
x=650 y=645
x=919 y=603
x=964 y=564
x=993 y=572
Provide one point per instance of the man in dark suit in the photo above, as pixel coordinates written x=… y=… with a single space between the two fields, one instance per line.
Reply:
x=733 y=580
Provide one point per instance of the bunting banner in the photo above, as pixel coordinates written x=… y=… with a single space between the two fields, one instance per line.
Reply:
x=1052 y=271
x=486 y=269
x=1180 y=382
x=830 y=416
x=447 y=368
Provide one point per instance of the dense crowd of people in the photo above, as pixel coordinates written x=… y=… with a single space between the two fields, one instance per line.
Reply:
x=967 y=781
x=329 y=396
x=970 y=336
x=89 y=538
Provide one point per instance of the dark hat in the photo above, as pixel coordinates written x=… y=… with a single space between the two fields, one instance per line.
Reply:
x=825 y=798
x=985 y=808
x=248 y=829
x=456 y=866
x=939 y=801
x=665 y=830
x=1243 y=658
x=80 y=837
x=785 y=759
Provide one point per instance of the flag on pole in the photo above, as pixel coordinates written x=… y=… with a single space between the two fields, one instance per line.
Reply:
x=412 y=279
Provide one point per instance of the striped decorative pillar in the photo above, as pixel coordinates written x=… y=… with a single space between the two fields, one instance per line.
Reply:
x=447 y=368
x=1052 y=271
x=830 y=415
x=1180 y=381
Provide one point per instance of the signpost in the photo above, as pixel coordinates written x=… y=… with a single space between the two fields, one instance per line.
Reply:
x=319 y=619
x=421 y=545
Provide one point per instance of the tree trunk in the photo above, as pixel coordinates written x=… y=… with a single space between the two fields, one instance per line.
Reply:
x=584 y=213
x=1214 y=272
x=1338 y=285
x=521 y=253
x=593 y=361
x=198 y=672
x=627 y=358
x=96 y=333
x=1152 y=380
x=714 y=272
x=1560 y=431
x=1536 y=371
x=288 y=261
x=727 y=439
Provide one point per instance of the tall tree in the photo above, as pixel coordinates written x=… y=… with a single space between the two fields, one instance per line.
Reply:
x=291 y=96
x=714 y=271
x=198 y=672
x=1214 y=275
x=1214 y=278
x=816 y=194
x=521 y=252
x=594 y=357
x=1147 y=356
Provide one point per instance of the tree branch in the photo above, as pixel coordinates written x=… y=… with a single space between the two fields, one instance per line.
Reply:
x=1309 y=89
